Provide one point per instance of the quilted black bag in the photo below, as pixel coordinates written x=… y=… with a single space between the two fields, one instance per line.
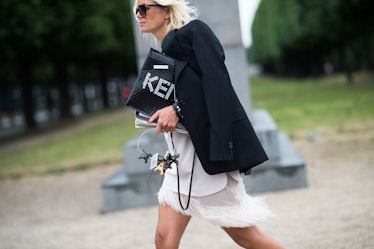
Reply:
x=154 y=87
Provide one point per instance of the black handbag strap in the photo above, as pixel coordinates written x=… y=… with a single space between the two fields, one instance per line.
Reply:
x=190 y=188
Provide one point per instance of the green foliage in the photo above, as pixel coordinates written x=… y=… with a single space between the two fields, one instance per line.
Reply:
x=80 y=32
x=24 y=29
x=58 y=42
x=275 y=26
x=296 y=37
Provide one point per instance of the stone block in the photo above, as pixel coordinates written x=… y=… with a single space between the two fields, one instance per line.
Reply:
x=148 y=141
x=122 y=191
x=288 y=172
x=267 y=132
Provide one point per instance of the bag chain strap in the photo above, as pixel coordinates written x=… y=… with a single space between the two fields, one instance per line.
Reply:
x=165 y=163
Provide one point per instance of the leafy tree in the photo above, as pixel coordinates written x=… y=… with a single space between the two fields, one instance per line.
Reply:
x=96 y=37
x=299 y=36
x=276 y=25
x=22 y=24
x=108 y=34
x=63 y=40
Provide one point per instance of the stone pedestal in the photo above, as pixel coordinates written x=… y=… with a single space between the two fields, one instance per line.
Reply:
x=132 y=185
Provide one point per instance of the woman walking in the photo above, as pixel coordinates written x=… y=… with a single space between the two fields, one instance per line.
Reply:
x=220 y=143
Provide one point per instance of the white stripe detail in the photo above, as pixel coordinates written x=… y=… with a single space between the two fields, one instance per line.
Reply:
x=160 y=66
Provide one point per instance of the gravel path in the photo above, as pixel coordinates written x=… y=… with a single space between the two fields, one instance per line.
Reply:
x=335 y=211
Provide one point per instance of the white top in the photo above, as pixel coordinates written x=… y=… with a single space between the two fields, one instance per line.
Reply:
x=203 y=184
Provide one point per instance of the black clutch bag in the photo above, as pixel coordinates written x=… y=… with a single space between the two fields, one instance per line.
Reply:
x=154 y=87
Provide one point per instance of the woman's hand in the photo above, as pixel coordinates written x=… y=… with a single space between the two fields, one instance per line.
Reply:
x=167 y=119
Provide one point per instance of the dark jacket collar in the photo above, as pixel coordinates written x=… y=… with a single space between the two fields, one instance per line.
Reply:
x=170 y=46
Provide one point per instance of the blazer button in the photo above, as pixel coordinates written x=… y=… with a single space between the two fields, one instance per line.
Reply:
x=230 y=148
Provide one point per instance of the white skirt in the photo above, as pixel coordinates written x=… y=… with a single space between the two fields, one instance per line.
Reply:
x=220 y=199
x=230 y=207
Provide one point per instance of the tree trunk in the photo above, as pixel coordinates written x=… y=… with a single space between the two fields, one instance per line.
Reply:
x=26 y=82
x=344 y=64
x=103 y=83
x=368 y=51
x=63 y=88
x=84 y=98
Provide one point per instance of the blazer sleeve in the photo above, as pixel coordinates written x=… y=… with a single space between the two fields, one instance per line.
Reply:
x=217 y=91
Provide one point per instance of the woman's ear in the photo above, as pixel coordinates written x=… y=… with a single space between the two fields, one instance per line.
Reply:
x=167 y=13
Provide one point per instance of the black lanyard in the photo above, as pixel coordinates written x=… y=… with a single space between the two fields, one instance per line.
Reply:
x=189 y=192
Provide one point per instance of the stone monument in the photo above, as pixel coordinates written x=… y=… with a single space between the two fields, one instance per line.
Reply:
x=132 y=185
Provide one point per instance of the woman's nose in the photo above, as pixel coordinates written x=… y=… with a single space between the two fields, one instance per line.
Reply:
x=138 y=15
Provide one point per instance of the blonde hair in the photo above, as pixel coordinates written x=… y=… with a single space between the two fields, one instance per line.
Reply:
x=181 y=12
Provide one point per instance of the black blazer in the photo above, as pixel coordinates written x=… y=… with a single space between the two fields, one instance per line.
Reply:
x=219 y=128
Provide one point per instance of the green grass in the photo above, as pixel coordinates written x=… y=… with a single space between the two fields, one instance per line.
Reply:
x=298 y=107
x=89 y=146
x=314 y=105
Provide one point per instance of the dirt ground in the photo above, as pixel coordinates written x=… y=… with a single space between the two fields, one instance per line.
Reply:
x=335 y=211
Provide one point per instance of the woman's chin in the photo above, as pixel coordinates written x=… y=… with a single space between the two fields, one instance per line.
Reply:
x=144 y=30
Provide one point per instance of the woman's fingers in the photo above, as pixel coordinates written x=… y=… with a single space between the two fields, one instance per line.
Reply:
x=167 y=119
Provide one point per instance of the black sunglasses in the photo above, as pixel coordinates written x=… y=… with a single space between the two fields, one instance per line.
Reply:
x=142 y=9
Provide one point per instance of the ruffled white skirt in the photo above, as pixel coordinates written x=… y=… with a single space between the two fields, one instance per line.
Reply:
x=230 y=207
x=220 y=199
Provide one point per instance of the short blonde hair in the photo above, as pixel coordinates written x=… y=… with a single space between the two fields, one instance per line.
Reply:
x=181 y=12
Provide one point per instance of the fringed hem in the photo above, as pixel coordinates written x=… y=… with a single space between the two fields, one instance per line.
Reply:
x=247 y=212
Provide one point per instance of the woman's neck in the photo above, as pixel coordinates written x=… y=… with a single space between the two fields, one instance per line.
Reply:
x=161 y=33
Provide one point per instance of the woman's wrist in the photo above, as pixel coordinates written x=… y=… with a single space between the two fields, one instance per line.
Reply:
x=177 y=110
